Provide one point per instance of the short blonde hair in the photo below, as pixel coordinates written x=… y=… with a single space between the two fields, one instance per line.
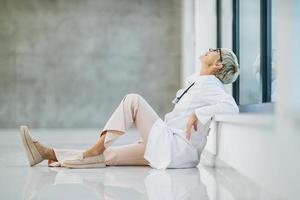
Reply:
x=230 y=70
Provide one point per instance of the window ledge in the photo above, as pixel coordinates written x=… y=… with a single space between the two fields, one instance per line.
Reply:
x=257 y=119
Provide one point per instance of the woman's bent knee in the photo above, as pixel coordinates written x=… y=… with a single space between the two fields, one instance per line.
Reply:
x=133 y=95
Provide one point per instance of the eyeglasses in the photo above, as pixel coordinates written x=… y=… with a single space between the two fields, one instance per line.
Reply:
x=219 y=50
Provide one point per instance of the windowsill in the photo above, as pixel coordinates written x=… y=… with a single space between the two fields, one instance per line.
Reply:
x=251 y=119
x=268 y=107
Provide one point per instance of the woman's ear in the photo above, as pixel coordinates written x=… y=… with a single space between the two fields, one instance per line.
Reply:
x=218 y=65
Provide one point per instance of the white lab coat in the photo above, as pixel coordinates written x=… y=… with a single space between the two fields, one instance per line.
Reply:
x=167 y=146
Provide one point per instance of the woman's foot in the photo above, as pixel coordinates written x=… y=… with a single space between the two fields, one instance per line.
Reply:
x=33 y=155
x=46 y=152
x=92 y=152
x=85 y=163
x=35 y=151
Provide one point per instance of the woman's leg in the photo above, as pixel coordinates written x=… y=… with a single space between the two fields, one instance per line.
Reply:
x=97 y=148
x=133 y=109
x=131 y=154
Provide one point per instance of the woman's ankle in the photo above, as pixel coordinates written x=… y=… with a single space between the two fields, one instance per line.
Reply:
x=50 y=154
x=92 y=152
x=46 y=153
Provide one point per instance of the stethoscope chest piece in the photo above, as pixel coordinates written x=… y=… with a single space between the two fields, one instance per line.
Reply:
x=176 y=100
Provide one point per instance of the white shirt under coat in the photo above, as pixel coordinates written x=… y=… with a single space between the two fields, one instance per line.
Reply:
x=167 y=146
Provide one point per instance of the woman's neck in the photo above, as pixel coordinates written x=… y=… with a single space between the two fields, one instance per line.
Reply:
x=205 y=70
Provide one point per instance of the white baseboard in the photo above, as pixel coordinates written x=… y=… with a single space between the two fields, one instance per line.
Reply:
x=210 y=159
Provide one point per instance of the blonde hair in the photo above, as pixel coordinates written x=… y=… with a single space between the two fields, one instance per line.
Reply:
x=230 y=70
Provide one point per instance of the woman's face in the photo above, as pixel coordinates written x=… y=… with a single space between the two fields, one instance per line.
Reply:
x=210 y=57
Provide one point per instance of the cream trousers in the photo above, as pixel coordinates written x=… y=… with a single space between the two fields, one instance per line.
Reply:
x=133 y=109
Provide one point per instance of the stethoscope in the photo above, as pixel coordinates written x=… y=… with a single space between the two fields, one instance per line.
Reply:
x=176 y=100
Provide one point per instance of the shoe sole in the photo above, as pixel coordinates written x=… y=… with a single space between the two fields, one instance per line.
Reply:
x=28 y=146
x=85 y=166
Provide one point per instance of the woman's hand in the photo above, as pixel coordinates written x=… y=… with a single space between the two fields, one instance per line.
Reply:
x=192 y=122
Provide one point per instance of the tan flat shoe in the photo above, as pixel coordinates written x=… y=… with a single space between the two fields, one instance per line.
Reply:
x=88 y=162
x=33 y=155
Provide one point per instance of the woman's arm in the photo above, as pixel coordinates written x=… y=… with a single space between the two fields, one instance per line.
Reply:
x=216 y=101
x=226 y=105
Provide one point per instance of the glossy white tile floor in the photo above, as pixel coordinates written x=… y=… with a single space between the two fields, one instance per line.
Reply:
x=19 y=181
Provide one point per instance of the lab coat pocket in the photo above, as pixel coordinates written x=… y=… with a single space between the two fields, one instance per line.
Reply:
x=182 y=151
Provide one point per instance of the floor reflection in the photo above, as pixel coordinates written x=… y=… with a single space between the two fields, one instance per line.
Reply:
x=19 y=181
x=115 y=183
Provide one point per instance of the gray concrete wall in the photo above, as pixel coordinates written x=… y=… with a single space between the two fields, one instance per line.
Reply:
x=69 y=63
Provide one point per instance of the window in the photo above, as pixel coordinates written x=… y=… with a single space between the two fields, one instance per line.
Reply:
x=296 y=50
x=274 y=77
x=250 y=80
x=244 y=26
x=251 y=41
x=285 y=54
